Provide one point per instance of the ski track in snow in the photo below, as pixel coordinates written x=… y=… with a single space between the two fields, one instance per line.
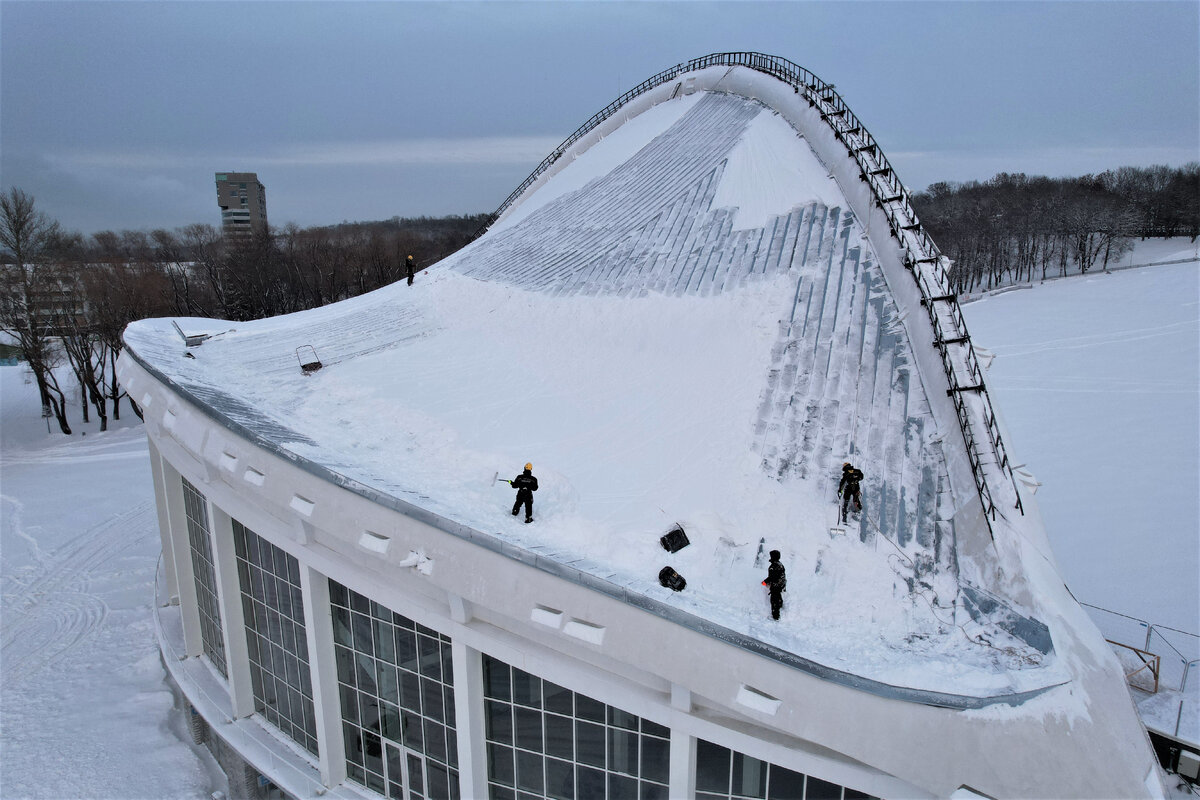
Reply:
x=49 y=607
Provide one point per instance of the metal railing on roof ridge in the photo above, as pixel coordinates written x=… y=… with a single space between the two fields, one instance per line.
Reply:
x=921 y=256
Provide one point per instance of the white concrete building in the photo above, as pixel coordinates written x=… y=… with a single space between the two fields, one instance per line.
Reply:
x=697 y=308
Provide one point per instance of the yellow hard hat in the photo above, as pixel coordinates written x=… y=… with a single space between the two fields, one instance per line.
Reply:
x=529 y=466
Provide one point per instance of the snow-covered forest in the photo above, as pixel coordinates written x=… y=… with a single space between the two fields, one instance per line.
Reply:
x=1018 y=227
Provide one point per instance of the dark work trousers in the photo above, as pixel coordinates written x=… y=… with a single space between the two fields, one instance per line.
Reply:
x=776 y=602
x=524 y=496
x=846 y=495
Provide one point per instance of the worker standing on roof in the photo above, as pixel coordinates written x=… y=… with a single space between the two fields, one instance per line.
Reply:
x=848 y=488
x=776 y=583
x=526 y=485
x=411 y=266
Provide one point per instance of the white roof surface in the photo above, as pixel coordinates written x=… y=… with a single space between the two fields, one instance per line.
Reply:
x=685 y=324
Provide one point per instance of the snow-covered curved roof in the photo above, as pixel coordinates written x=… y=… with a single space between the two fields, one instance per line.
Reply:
x=689 y=320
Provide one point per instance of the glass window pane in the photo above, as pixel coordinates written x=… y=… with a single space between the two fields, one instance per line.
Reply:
x=621 y=786
x=529 y=772
x=622 y=751
x=337 y=594
x=587 y=708
x=500 y=764
x=414 y=736
x=431 y=699
x=855 y=794
x=349 y=699
x=499 y=721
x=527 y=689
x=558 y=699
x=406 y=650
x=410 y=691
x=653 y=791
x=373 y=750
x=785 y=784
x=447 y=664
x=448 y=696
x=749 y=776
x=375 y=782
x=395 y=763
x=368 y=709
x=353 y=739
x=438 y=780
x=527 y=723
x=589 y=743
x=430 y=652
x=817 y=789
x=415 y=778
x=365 y=672
x=385 y=643
x=560 y=736
x=435 y=740
x=589 y=783
x=341 y=627
x=622 y=719
x=712 y=767
x=655 y=729
x=452 y=753
x=361 y=624
x=560 y=779
x=656 y=759
x=496 y=679
x=345 y=665
x=390 y=720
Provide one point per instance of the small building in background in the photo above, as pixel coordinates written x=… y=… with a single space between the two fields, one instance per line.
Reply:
x=243 y=202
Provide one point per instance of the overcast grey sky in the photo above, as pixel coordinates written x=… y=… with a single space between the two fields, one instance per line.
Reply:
x=116 y=115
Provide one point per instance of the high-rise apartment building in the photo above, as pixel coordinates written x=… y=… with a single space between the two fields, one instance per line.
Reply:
x=243 y=202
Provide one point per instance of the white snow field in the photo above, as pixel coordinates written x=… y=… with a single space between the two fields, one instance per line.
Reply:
x=84 y=708
x=1099 y=379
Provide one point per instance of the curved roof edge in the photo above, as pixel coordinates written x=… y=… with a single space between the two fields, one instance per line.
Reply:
x=991 y=469
x=577 y=576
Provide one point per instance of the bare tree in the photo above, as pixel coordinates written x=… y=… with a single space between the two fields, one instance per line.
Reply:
x=28 y=292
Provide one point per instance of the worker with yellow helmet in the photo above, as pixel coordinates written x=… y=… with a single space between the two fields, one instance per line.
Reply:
x=526 y=485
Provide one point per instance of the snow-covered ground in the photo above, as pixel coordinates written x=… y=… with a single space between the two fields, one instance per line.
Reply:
x=84 y=709
x=1098 y=378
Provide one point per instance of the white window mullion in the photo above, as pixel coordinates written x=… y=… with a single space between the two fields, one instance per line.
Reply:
x=468 y=712
x=318 y=625
x=233 y=624
x=164 y=523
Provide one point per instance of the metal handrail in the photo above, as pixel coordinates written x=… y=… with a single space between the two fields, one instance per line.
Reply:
x=1151 y=628
x=922 y=256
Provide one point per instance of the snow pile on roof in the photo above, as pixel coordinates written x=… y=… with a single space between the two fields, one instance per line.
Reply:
x=684 y=325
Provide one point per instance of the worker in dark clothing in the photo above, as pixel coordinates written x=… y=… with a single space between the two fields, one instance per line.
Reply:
x=411 y=266
x=526 y=485
x=776 y=583
x=848 y=488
